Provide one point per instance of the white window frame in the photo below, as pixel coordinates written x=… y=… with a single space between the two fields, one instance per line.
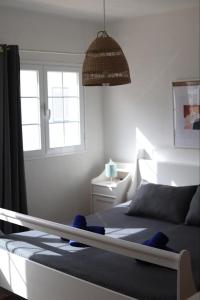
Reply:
x=45 y=150
x=70 y=149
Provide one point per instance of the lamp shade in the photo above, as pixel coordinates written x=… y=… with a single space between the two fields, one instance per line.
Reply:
x=105 y=63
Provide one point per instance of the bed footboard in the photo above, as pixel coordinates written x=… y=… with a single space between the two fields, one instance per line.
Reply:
x=179 y=262
x=34 y=281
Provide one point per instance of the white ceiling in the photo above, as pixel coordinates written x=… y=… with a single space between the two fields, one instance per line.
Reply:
x=92 y=9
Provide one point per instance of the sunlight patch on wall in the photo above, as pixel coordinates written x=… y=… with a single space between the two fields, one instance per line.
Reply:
x=145 y=149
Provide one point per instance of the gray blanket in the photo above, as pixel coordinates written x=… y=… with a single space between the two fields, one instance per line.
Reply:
x=116 y=272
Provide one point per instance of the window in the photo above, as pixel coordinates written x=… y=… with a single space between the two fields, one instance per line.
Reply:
x=52 y=110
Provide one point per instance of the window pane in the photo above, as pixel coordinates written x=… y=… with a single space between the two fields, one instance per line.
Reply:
x=30 y=108
x=71 y=84
x=56 y=135
x=31 y=137
x=64 y=103
x=29 y=83
x=57 y=114
x=72 y=134
x=55 y=86
x=71 y=109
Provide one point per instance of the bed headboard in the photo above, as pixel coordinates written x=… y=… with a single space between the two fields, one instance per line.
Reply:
x=169 y=173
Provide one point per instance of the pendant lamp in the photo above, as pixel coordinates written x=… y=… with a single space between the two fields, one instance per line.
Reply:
x=105 y=62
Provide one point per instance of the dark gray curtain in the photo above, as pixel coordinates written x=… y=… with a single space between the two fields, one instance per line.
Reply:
x=12 y=177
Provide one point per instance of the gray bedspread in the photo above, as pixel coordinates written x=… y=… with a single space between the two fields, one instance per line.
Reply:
x=122 y=274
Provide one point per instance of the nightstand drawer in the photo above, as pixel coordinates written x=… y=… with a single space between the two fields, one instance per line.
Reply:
x=104 y=190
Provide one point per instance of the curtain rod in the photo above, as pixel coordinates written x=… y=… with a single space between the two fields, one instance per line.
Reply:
x=51 y=52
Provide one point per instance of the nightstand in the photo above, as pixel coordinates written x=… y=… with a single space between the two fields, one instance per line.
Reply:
x=106 y=193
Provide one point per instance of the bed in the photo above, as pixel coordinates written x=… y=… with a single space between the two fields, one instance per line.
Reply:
x=37 y=264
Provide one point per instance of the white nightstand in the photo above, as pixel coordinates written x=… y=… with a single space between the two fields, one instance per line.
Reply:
x=105 y=193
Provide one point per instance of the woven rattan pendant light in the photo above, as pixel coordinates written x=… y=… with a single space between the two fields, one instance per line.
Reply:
x=105 y=62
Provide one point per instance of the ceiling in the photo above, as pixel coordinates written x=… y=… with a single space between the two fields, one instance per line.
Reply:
x=92 y=9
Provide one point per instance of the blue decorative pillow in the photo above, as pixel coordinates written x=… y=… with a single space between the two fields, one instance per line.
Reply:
x=80 y=222
x=163 y=202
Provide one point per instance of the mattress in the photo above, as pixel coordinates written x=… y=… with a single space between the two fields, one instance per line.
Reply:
x=113 y=271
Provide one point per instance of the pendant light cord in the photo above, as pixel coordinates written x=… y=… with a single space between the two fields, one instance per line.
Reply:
x=104 y=15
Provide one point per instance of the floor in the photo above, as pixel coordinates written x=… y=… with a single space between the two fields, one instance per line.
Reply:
x=5 y=295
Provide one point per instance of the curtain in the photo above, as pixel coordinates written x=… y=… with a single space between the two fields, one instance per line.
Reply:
x=12 y=175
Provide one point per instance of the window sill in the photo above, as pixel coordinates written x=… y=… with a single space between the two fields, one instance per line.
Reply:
x=28 y=156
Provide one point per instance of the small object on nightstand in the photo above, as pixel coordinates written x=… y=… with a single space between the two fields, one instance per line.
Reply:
x=110 y=187
x=111 y=169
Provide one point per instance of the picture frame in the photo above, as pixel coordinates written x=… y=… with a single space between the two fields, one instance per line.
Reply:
x=186 y=104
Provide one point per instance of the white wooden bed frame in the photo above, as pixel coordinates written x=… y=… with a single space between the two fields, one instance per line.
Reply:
x=34 y=281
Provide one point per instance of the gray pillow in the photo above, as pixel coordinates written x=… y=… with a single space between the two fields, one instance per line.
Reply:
x=193 y=216
x=163 y=202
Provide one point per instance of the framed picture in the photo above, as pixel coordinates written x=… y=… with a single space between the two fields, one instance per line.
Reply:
x=186 y=96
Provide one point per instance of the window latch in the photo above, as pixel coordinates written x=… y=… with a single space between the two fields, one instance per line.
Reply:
x=47 y=112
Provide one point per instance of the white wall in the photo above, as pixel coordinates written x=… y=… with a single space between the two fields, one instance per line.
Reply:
x=160 y=49
x=59 y=187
